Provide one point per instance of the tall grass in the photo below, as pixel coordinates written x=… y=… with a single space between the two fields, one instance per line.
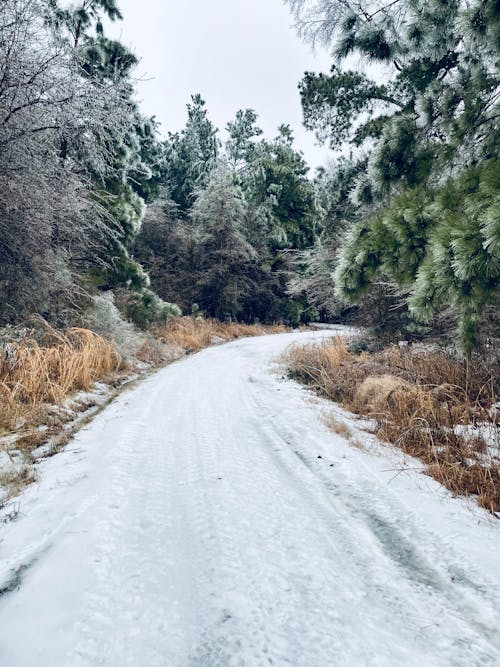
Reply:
x=33 y=373
x=46 y=370
x=193 y=334
x=433 y=405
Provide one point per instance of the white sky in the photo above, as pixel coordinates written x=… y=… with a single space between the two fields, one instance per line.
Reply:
x=236 y=53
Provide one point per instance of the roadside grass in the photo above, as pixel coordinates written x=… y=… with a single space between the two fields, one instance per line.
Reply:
x=341 y=428
x=36 y=376
x=434 y=406
x=34 y=373
x=194 y=334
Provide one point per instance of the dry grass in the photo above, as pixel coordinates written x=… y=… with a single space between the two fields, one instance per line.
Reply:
x=36 y=376
x=16 y=481
x=33 y=374
x=195 y=334
x=430 y=404
x=339 y=427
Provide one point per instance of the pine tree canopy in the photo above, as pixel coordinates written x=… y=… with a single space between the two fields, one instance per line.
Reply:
x=420 y=117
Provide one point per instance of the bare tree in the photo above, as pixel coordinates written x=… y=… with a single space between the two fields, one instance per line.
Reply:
x=54 y=122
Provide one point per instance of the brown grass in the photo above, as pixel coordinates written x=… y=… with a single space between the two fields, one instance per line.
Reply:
x=339 y=427
x=195 y=334
x=35 y=376
x=15 y=482
x=33 y=373
x=421 y=401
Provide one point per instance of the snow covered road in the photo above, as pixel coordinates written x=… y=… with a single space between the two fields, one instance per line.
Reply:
x=209 y=518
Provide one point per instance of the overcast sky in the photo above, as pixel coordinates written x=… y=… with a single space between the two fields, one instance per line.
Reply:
x=236 y=53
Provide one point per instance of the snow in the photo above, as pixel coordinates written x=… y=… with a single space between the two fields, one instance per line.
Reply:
x=208 y=517
x=74 y=411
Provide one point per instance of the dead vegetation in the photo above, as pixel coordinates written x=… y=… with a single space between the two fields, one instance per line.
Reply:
x=34 y=373
x=39 y=370
x=194 y=334
x=434 y=406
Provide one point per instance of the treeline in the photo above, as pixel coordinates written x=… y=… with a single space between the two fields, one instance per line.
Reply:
x=221 y=240
x=404 y=234
x=79 y=165
x=412 y=217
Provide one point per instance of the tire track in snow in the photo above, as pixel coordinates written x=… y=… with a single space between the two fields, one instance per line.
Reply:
x=378 y=513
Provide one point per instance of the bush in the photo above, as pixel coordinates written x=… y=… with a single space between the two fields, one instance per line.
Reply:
x=105 y=319
x=145 y=308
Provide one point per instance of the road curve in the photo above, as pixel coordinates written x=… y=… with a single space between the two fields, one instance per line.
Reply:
x=209 y=518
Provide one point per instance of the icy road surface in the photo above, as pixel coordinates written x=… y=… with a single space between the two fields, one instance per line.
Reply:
x=208 y=517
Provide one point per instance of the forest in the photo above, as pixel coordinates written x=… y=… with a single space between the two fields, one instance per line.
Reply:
x=399 y=232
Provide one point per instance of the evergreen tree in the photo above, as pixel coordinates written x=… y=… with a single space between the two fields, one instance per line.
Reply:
x=130 y=172
x=219 y=216
x=280 y=183
x=242 y=148
x=190 y=155
x=428 y=129
x=82 y=19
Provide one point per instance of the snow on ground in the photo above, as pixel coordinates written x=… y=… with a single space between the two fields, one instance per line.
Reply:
x=209 y=517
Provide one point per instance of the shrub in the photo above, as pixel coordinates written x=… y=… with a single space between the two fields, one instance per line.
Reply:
x=145 y=308
x=104 y=318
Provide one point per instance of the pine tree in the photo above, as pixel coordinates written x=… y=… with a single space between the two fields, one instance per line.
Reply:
x=219 y=216
x=130 y=172
x=430 y=128
x=190 y=155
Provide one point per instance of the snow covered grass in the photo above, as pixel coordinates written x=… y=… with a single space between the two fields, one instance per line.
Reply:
x=193 y=334
x=429 y=403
